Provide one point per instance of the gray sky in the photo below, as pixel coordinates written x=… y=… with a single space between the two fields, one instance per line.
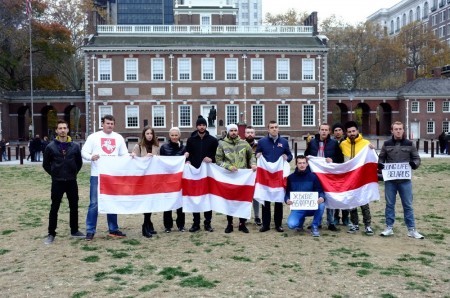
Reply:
x=351 y=11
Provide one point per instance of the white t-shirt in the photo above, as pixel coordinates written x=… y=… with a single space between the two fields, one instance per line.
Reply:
x=103 y=144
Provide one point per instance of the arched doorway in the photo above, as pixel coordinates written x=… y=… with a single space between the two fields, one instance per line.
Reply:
x=49 y=121
x=24 y=123
x=72 y=114
x=339 y=114
x=384 y=119
x=362 y=117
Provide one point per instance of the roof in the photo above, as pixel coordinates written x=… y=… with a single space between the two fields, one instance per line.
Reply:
x=206 y=42
x=426 y=86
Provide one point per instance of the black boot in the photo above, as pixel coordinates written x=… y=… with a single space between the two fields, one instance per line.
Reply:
x=151 y=229
x=145 y=231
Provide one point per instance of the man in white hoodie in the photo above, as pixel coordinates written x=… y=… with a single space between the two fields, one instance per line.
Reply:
x=102 y=143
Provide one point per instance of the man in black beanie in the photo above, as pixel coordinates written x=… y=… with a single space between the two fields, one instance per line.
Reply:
x=201 y=147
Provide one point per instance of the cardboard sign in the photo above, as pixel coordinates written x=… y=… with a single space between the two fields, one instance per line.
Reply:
x=304 y=200
x=396 y=171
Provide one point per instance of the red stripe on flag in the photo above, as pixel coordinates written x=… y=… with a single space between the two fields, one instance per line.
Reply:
x=269 y=179
x=363 y=175
x=140 y=185
x=228 y=191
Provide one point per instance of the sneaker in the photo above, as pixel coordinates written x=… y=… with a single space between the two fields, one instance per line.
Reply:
x=89 y=236
x=168 y=230
x=352 y=229
x=264 y=229
x=229 y=229
x=369 y=231
x=387 y=232
x=50 y=239
x=414 y=234
x=258 y=221
x=243 y=228
x=315 y=231
x=194 y=228
x=332 y=227
x=182 y=229
x=300 y=229
x=279 y=229
x=117 y=234
x=208 y=228
x=78 y=234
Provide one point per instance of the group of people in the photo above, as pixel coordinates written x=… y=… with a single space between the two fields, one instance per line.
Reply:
x=36 y=146
x=63 y=160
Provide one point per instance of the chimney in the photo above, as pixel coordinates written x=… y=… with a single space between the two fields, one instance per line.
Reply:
x=409 y=74
x=436 y=72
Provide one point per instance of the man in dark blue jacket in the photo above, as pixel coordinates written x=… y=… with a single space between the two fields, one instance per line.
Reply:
x=62 y=161
x=303 y=180
x=272 y=147
x=324 y=146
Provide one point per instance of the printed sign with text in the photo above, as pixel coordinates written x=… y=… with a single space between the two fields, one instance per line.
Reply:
x=304 y=200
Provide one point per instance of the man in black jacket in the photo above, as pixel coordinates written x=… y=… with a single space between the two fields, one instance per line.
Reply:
x=324 y=146
x=62 y=161
x=201 y=147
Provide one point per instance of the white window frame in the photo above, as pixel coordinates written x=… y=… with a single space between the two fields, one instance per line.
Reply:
x=128 y=116
x=184 y=69
x=415 y=107
x=131 y=69
x=310 y=122
x=229 y=119
x=232 y=69
x=208 y=69
x=158 y=71
x=104 y=69
x=431 y=106
x=180 y=107
x=257 y=69
x=102 y=111
x=446 y=126
x=279 y=120
x=156 y=113
x=283 y=69
x=446 y=106
x=253 y=116
x=308 y=69
x=205 y=17
x=433 y=126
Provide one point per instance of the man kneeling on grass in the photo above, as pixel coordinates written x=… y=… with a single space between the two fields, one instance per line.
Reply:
x=303 y=180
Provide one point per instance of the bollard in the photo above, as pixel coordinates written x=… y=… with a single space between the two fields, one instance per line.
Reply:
x=418 y=144
x=432 y=149
x=295 y=149
x=17 y=152
x=9 y=153
x=425 y=147
x=22 y=154
x=378 y=144
x=292 y=141
x=437 y=147
x=448 y=147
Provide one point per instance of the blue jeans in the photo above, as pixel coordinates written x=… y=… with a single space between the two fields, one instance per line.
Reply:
x=404 y=189
x=296 y=218
x=330 y=217
x=92 y=214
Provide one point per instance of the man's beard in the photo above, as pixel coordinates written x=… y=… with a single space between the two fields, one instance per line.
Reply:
x=250 y=139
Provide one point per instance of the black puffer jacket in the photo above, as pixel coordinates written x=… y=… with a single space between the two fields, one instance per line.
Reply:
x=172 y=149
x=200 y=148
x=62 y=160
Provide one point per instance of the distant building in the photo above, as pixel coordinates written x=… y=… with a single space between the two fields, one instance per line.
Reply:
x=433 y=13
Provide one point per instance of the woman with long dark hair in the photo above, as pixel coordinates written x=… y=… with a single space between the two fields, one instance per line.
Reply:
x=147 y=147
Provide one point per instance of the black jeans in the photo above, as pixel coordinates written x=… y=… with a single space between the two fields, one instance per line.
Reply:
x=277 y=214
x=168 y=220
x=58 y=189
x=208 y=218
x=230 y=220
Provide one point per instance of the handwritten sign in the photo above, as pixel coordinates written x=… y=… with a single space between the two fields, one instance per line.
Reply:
x=396 y=171
x=304 y=200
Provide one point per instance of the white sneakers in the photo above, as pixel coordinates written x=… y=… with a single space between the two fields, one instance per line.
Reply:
x=387 y=232
x=414 y=234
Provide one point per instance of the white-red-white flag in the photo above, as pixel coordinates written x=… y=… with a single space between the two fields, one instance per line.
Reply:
x=211 y=187
x=350 y=184
x=28 y=8
x=141 y=184
x=271 y=180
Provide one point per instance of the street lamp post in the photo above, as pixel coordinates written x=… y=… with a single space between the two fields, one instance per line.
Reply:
x=320 y=111
x=407 y=118
x=171 y=89
x=244 y=57
x=93 y=94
